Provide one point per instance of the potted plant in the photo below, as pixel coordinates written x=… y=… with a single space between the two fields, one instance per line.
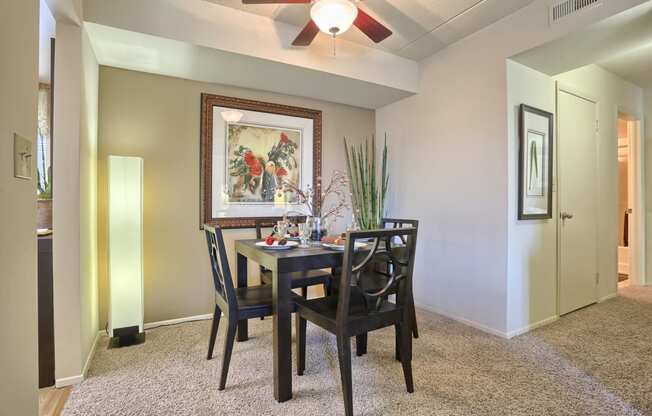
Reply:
x=368 y=189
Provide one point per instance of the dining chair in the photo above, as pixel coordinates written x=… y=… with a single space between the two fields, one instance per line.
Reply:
x=300 y=280
x=358 y=309
x=400 y=223
x=235 y=303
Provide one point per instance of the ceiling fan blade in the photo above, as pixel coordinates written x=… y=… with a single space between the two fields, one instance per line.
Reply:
x=371 y=27
x=275 y=1
x=307 y=35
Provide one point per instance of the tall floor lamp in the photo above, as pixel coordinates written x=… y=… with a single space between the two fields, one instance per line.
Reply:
x=126 y=310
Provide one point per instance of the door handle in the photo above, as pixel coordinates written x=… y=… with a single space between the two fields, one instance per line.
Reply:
x=566 y=215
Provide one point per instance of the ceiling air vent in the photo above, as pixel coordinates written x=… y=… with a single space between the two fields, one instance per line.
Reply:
x=566 y=8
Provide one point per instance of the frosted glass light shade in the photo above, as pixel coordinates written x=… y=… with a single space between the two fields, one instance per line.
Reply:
x=232 y=116
x=334 y=17
x=125 y=223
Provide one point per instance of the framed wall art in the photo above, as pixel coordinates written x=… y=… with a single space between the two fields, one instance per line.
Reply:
x=535 y=163
x=249 y=149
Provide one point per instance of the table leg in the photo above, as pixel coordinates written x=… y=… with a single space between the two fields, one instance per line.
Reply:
x=243 y=327
x=282 y=337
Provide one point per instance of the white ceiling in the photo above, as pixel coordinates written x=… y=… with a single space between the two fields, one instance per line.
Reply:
x=622 y=44
x=421 y=27
x=198 y=40
x=634 y=65
x=47 y=28
x=157 y=55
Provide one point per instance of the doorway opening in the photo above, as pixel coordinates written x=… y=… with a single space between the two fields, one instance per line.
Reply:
x=628 y=249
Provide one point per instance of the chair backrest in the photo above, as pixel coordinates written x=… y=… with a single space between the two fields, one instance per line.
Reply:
x=398 y=223
x=380 y=251
x=220 y=265
x=263 y=223
x=271 y=222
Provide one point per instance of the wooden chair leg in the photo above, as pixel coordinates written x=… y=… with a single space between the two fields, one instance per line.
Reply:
x=216 y=323
x=415 y=329
x=301 y=344
x=397 y=342
x=304 y=292
x=406 y=354
x=361 y=344
x=344 y=355
x=262 y=318
x=228 y=349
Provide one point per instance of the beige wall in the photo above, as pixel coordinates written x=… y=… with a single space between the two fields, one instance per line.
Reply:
x=157 y=118
x=66 y=203
x=88 y=199
x=75 y=202
x=18 y=101
x=532 y=245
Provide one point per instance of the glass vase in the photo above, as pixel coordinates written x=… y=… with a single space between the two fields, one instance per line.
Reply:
x=318 y=229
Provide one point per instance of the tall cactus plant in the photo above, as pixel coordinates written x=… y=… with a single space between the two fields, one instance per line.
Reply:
x=367 y=190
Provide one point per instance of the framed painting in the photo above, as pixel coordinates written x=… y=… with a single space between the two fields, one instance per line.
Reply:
x=246 y=161
x=535 y=163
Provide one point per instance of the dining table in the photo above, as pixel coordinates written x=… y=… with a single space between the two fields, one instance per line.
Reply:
x=281 y=263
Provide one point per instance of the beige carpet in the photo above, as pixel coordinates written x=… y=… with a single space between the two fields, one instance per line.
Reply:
x=596 y=361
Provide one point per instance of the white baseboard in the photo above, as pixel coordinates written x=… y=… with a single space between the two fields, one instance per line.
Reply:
x=151 y=325
x=484 y=328
x=609 y=296
x=464 y=321
x=68 y=381
x=91 y=354
x=528 y=328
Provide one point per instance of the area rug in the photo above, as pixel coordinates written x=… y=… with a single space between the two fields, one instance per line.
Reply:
x=596 y=361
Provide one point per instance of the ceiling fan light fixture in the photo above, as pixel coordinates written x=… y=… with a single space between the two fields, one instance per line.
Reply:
x=334 y=17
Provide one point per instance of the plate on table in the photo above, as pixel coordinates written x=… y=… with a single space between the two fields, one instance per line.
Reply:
x=338 y=247
x=276 y=246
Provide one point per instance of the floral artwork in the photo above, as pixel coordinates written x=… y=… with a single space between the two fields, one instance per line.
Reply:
x=261 y=159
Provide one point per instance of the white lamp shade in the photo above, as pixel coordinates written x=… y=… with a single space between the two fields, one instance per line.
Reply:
x=334 y=16
x=125 y=215
x=231 y=116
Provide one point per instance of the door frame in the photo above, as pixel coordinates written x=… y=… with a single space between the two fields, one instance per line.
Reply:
x=559 y=88
x=638 y=225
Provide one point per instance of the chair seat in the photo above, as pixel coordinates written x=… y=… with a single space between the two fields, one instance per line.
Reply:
x=323 y=312
x=253 y=297
x=300 y=279
x=256 y=301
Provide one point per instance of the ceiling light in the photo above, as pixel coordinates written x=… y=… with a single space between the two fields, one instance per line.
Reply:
x=231 y=116
x=334 y=16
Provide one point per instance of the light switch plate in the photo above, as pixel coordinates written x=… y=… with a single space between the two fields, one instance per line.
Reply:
x=22 y=157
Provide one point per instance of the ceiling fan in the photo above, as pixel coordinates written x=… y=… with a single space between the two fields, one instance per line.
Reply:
x=333 y=17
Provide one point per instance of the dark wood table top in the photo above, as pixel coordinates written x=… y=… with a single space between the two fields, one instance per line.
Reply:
x=291 y=260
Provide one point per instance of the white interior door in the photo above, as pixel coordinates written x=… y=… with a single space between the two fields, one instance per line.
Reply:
x=578 y=187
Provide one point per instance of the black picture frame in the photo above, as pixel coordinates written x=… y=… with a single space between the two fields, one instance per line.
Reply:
x=524 y=165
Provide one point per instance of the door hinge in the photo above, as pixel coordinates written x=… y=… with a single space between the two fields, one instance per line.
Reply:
x=597 y=126
x=597 y=278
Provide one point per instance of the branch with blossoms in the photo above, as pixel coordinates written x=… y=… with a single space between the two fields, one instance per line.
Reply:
x=333 y=196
